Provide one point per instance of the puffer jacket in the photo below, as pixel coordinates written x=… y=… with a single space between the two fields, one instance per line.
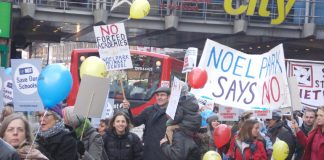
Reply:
x=123 y=147
x=183 y=147
x=285 y=134
x=187 y=114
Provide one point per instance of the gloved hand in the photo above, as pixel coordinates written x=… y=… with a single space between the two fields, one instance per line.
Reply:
x=81 y=148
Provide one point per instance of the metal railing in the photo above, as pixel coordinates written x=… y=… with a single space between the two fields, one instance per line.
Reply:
x=208 y=10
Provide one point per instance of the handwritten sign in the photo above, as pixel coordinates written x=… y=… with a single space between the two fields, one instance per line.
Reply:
x=244 y=81
x=113 y=46
x=25 y=76
x=310 y=81
x=174 y=97
x=228 y=113
x=263 y=114
x=190 y=59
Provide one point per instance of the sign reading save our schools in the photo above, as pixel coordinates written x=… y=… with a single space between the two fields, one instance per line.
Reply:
x=113 y=46
x=25 y=75
x=244 y=81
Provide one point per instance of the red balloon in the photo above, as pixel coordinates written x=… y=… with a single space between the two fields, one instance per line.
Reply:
x=222 y=135
x=197 y=78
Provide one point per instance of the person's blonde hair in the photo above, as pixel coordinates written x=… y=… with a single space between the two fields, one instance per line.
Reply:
x=315 y=124
x=9 y=119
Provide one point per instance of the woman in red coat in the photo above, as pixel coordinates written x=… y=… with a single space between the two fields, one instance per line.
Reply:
x=314 y=143
x=248 y=144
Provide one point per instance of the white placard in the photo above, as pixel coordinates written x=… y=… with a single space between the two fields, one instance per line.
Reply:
x=190 y=59
x=228 y=113
x=113 y=46
x=174 y=97
x=310 y=81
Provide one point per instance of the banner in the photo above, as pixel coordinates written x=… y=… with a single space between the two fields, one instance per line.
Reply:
x=243 y=80
x=113 y=46
x=310 y=80
x=25 y=75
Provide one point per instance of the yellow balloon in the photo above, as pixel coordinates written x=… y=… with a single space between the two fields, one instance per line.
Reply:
x=93 y=66
x=280 y=150
x=212 y=155
x=139 y=9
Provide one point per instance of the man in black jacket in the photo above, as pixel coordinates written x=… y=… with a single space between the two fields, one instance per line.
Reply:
x=154 y=119
x=278 y=129
x=7 y=152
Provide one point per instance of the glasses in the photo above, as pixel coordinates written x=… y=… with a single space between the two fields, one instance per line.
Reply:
x=42 y=115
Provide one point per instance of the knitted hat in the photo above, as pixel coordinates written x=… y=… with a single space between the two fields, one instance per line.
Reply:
x=57 y=111
x=70 y=118
x=212 y=118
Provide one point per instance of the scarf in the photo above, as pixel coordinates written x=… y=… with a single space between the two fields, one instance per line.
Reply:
x=86 y=124
x=58 y=127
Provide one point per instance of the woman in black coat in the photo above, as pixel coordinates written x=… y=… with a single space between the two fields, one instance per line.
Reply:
x=54 y=140
x=120 y=144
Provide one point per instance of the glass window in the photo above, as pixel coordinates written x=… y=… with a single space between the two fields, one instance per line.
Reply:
x=140 y=82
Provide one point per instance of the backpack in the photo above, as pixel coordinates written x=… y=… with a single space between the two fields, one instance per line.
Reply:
x=92 y=137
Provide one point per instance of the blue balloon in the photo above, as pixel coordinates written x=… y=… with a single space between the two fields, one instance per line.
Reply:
x=54 y=84
x=205 y=114
x=8 y=71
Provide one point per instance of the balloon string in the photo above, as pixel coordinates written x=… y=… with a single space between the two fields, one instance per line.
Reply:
x=124 y=20
x=36 y=134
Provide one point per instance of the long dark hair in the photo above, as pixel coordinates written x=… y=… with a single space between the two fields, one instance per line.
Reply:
x=120 y=113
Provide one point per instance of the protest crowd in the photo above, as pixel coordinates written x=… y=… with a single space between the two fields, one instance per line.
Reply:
x=195 y=133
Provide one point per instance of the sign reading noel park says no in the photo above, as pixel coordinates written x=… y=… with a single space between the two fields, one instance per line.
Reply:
x=113 y=46
x=243 y=80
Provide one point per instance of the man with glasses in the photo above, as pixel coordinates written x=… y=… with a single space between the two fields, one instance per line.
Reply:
x=154 y=119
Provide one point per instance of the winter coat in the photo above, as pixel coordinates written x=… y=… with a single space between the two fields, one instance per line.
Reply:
x=313 y=144
x=124 y=147
x=183 y=146
x=61 y=146
x=154 y=119
x=285 y=134
x=247 y=151
x=187 y=114
x=94 y=145
x=7 y=151
x=299 y=147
